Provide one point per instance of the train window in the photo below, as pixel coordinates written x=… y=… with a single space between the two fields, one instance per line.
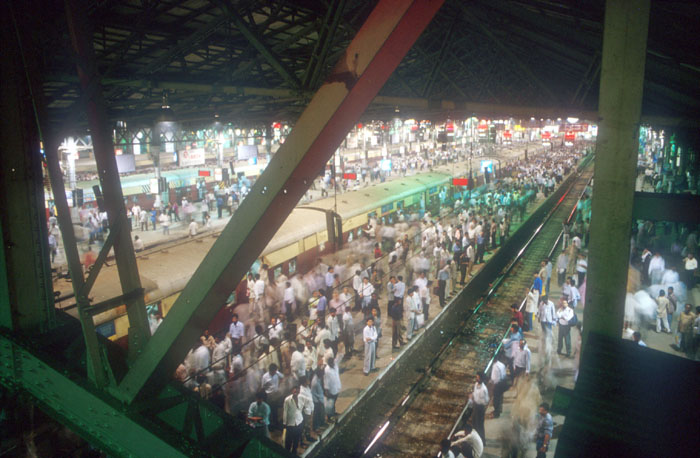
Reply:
x=322 y=246
x=359 y=232
x=350 y=236
x=278 y=271
x=292 y=266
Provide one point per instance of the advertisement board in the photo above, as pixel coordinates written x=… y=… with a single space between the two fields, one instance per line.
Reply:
x=246 y=152
x=486 y=164
x=193 y=156
x=125 y=163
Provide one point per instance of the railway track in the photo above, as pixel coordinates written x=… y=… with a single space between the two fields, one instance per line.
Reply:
x=415 y=428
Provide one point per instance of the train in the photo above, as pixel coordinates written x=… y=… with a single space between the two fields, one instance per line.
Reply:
x=297 y=245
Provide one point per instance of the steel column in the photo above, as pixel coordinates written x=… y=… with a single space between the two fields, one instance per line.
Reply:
x=620 y=106
x=107 y=171
x=23 y=217
x=386 y=36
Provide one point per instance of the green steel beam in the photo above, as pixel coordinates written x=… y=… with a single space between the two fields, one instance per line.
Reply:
x=101 y=422
x=388 y=33
x=259 y=43
x=78 y=26
x=23 y=218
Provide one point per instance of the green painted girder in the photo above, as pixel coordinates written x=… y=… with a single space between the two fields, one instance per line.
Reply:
x=381 y=43
x=174 y=423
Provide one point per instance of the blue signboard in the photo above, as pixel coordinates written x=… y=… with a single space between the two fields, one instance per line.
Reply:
x=106 y=329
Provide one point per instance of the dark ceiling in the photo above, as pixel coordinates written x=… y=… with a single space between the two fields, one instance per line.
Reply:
x=252 y=61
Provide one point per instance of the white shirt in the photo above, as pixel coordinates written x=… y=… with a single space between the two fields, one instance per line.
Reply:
x=271 y=383
x=138 y=245
x=237 y=330
x=305 y=391
x=369 y=334
x=275 y=332
x=193 y=228
x=521 y=358
x=498 y=372
x=357 y=283
x=691 y=264
x=475 y=443
x=581 y=265
x=201 y=358
x=293 y=413
x=657 y=263
x=322 y=335
x=259 y=288
x=480 y=395
x=547 y=312
x=298 y=364
x=367 y=289
x=310 y=359
x=289 y=294
x=331 y=379
x=564 y=315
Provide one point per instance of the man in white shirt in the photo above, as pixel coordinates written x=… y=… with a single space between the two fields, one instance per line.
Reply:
x=333 y=325
x=521 y=359
x=547 y=316
x=310 y=358
x=332 y=386
x=274 y=331
x=192 y=228
x=164 y=221
x=366 y=289
x=329 y=282
x=237 y=330
x=500 y=385
x=357 y=286
x=293 y=418
x=470 y=440
x=564 y=316
x=258 y=297
x=480 y=400
x=348 y=332
x=690 y=265
x=414 y=307
x=289 y=302
x=369 y=335
x=271 y=384
x=138 y=244
x=297 y=363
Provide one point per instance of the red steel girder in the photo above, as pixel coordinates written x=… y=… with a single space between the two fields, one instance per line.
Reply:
x=376 y=51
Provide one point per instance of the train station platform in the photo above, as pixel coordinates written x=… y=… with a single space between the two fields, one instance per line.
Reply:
x=179 y=230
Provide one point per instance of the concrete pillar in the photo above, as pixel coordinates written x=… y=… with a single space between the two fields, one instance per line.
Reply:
x=619 y=108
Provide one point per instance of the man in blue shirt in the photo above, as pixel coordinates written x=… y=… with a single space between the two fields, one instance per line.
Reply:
x=545 y=426
x=259 y=414
x=537 y=283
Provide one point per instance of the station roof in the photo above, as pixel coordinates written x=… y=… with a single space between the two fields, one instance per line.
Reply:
x=258 y=61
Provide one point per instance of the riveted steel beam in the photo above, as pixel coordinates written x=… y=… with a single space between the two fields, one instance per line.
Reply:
x=107 y=170
x=374 y=53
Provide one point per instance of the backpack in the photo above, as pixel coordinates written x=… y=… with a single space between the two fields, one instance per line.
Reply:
x=574 y=320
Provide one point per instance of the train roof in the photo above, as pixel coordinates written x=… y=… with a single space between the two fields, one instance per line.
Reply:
x=159 y=279
x=305 y=220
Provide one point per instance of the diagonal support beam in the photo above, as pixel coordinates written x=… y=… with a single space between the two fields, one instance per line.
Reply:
x=437 y=67
x=381 y=43
x=107 y=170
x=258 y=42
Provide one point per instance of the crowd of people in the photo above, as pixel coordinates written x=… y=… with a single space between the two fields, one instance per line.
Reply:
x=512 y=364
x=661 y=298
x=299 y=331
